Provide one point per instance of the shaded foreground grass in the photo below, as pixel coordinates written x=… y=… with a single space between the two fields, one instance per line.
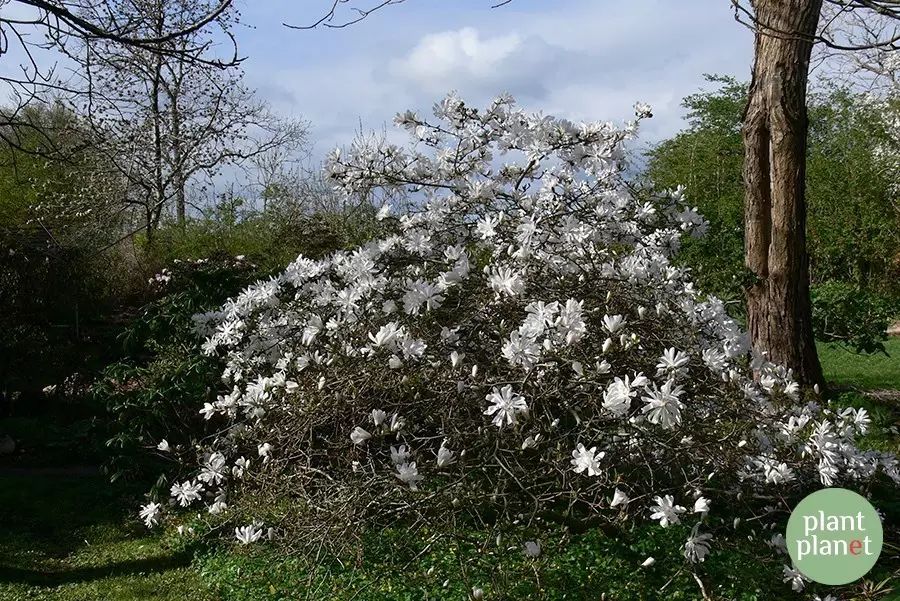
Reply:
x=65 y=538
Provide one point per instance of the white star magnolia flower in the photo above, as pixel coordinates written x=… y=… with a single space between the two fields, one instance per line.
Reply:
x=617 y=397
x=775 y=472
x=400 y=454
x=208 y=411
x=387 y=336
x=701 y=505
x=378 y=417
x=240 y=466
x=619 y=498
x=792 y=575
x=587 y=460
x=504 y=281
x=486 y=226
x=397 y=423
x=384 y=212
x=663 y=405
x=214 y=469
x=445 y=456
x=505 y=406
x=697 y=546
x=248 y=534
x=359 y=435
x=671 y=361
x=265 y=451
x=150 y=514
x=187 y=492
x=666 y=511
x=521 y=350
x=408 y=473
x=778 y=543
x=613 y=323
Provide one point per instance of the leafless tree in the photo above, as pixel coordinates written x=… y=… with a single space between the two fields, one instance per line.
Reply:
x=874 y=68
x=42 y=31
x=164 y=120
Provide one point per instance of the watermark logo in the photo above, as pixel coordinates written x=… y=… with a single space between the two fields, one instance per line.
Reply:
x=834 y=536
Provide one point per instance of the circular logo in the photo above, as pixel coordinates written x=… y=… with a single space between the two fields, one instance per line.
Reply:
x=834 y=536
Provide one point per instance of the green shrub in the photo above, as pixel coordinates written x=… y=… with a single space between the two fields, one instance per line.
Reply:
x=853 y=316
x=154 y=392
x=271 y=238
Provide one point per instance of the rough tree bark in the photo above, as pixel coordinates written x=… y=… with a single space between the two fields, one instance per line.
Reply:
x=775 y=133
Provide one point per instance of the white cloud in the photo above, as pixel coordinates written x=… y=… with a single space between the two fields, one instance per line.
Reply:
x=438 y=56
x=473 y=61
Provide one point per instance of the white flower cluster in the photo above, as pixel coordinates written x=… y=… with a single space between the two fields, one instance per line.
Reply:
x=519 y=337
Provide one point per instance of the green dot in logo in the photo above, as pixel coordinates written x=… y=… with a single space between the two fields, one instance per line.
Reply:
x=834 y=536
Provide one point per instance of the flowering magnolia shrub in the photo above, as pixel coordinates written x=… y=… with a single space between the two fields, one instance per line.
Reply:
x=517 y=347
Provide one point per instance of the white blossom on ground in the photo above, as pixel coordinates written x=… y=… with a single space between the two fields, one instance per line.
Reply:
x=532 y=548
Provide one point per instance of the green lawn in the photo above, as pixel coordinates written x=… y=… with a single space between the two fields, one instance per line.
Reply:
x=65 y=537
x=867 y=372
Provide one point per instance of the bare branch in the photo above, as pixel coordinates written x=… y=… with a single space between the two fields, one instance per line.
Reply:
x=332 y=20
x=826 y=35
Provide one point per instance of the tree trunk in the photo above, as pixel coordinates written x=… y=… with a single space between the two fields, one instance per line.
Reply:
x=179 y=180
x=156 y=115
x=775 y=134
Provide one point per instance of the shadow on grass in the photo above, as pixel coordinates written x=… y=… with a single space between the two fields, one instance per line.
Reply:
x=145 y=566
x=60 y=527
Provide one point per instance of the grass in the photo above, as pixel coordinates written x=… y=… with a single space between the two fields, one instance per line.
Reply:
x=67 y=538
x=867 y=372
x=397 y=565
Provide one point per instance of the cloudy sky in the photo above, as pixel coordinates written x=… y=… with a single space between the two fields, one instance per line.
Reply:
x=583 y=59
